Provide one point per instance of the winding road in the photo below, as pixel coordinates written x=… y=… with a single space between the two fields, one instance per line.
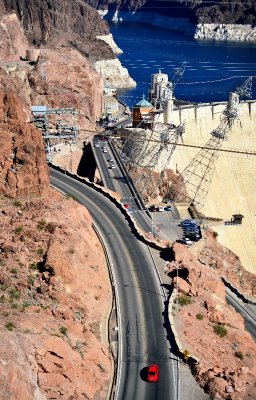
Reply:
x=140 y=297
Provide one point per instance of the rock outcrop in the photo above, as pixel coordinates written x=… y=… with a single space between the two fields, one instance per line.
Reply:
x=114 y=74
x=188 y=16
x=54 y=287
x=110 y=41
x=24 y=172
x=241 y=33
x=58 y=22
x=209 y=329
x=55 y=299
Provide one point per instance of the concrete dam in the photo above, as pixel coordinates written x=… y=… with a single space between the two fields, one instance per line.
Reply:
x=233 y=180
x=232 y=190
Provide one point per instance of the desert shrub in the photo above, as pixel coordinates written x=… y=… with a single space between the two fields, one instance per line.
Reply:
x=41 y=225
x=71 y=250
x=14 y=271
x=63 y=330
x=33 y=266
x=18 y=229
x=17 y=203
x=199 y=316
x=40 y=251
x=184 y=300
x=239 y=354
x=220 y=330
x=31 y=280
x=9 y=326
x=215 y=234
x=25 y=304
x=2 y=299
x=14 y=294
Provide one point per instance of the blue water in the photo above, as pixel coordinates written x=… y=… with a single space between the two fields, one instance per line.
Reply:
x=213 y=68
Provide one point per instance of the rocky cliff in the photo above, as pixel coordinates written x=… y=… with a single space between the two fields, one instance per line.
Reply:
x=198 y=11
x=61 y=22
x=53 y=325
x=55 y=299
x=207 y=327
x=187 y=15
x=24 y=172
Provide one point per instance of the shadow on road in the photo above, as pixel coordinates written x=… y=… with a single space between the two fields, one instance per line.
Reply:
x=143 y=374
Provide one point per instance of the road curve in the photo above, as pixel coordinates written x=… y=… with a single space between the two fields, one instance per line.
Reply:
x=142 y=334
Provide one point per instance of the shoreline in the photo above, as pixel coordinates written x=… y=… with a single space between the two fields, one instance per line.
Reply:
x=203 y=31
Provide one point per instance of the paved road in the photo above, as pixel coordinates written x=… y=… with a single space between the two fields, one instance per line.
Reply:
x=143 y=336
x=248 y=311
x=115 y=180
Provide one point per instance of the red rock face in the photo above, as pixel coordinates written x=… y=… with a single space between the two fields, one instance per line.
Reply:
x=226 y=368
x=24 y=172
x=72 y=23
x=55 y=297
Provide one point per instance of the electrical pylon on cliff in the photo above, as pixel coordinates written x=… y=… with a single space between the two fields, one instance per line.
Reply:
x=193 y=184
x=140 y=155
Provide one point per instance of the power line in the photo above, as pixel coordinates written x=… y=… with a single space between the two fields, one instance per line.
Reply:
x=250 y=153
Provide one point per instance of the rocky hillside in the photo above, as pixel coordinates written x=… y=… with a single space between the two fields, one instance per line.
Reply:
x=207 y=327
x=55 y=293
x=61 y=22
x=55 y=298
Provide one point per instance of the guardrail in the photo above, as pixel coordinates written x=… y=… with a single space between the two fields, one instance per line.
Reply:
x=115 y=357
x=154 y=243
x=244 y=298
x=133 y=189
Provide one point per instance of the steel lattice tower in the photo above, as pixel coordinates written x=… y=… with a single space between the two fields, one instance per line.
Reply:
x=193 y=184
x=145 y=150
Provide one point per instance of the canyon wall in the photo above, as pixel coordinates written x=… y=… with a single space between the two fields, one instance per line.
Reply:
x=110 y=41
x=114 y=74
x=55 y=292
x=232 y=32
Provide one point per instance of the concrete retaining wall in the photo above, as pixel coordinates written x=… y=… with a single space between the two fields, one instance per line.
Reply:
x=156 y=244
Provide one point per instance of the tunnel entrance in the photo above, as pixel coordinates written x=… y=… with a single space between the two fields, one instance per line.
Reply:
x=87 y=165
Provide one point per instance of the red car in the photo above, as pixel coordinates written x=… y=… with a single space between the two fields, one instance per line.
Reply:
x=126 y=205
x=152 y=373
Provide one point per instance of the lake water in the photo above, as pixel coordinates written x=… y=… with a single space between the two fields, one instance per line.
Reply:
x=213 y=68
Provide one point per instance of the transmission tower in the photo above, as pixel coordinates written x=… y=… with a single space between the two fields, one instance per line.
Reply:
x=60 y=130
x=193 y=184
x=177 y=75
x=140 y=156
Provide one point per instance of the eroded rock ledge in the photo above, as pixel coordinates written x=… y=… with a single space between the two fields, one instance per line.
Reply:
x=114 y=74
x=241 y=33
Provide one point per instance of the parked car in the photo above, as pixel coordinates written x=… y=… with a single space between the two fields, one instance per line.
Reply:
x=104 y=151
x=152 y=208
x=160 y=208
x=96 y=145
x=126 y=206
x=187 y=222
x=113 y=166
x=152 y=373
x=168 y=208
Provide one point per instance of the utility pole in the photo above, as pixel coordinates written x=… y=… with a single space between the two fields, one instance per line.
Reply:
x=177 y=285
x=152 y=225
